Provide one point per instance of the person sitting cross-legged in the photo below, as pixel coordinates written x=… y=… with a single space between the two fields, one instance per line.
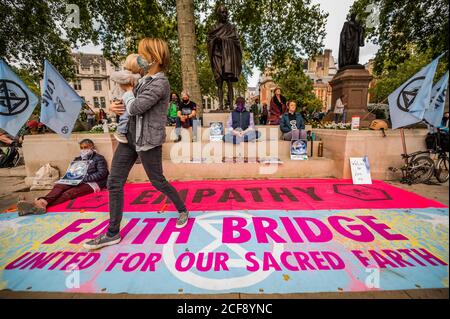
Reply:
x=292 y=124
x=240 y=124
x=94 y=180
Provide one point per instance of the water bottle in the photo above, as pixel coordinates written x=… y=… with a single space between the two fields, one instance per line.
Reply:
x=105 y=126
x=320 y=149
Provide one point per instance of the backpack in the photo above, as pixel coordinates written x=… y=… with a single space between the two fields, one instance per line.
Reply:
x=10 y=157
x=431 y=141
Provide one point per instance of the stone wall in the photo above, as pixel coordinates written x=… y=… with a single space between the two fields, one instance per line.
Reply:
x=339 y=146
x=383 y=152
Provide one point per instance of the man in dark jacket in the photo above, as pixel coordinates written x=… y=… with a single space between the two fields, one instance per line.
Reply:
x=241 y=125
x=93 y=181
x=292 y=123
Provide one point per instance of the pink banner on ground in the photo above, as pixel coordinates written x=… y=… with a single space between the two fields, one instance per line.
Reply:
x=285 y=194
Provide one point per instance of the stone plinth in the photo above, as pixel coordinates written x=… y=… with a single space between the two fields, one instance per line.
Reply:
x=354 y=84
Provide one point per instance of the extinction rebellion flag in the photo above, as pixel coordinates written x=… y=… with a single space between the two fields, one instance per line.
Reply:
x=60 y=104
x=435 y=110
x=408 y=103
x=17 y=101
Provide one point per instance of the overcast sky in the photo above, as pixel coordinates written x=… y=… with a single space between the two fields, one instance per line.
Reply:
x=337 y=9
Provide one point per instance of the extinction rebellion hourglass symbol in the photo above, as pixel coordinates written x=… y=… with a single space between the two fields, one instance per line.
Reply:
x=13 y=99
x=408 y=94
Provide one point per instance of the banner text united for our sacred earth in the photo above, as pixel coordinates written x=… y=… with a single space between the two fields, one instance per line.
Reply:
x=245 y=251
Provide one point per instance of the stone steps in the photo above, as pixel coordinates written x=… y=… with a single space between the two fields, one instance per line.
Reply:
x=311 y=168
x=216 y=151
x=18 y=171
x=268 y=132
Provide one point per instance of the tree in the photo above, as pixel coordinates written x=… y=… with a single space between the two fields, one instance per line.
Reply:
x=296 y=85
x=401 y=24
x=391 y=79
x=270 y=30
x=188 y=50
x=33 y=30
x=29 y=33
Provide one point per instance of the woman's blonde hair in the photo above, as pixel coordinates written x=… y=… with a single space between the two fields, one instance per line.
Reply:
x=153 y=49
x=131 y=63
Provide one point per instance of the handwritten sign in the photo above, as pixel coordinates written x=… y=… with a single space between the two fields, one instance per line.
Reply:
x=355 y=123
x=360 y=170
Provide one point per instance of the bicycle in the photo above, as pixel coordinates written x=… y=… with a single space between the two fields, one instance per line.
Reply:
x=418 y=168
x=9 y=156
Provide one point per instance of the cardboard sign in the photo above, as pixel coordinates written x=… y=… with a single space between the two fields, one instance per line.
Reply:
x=75 y=173
x=216 y=131
x=355 y=123
x=360 y=170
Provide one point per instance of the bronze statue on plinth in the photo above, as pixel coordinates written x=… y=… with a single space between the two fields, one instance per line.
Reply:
x=225 y=54
x=352 y=79
x=352 y=37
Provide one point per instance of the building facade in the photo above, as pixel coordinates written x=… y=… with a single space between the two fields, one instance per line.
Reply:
x=250 y=94
x=92 y=82
x=210 y=104
x=321 y=69
x=267 y=86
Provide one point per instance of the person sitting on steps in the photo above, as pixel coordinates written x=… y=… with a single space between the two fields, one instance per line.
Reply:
x=240 y=124
x=292 y=124
x=187 y=113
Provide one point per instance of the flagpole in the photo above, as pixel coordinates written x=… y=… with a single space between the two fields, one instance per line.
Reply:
x=402 y=134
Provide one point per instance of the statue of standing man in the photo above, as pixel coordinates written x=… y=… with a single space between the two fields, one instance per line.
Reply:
x=352 y=37
x=225 y=54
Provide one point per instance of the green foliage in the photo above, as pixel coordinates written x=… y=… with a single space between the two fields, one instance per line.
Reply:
x=29 y=33
x=391 y=79
x=270 y=30
x=297 y=86
x=402 y=23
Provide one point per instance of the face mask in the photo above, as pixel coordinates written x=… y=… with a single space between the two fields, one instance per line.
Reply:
x=240 y=108
x=185 y=100
x=86 y=153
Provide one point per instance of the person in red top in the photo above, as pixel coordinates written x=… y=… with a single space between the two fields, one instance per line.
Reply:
x=277 y=107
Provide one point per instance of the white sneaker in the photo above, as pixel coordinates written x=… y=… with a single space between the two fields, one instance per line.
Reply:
x=122 y=138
